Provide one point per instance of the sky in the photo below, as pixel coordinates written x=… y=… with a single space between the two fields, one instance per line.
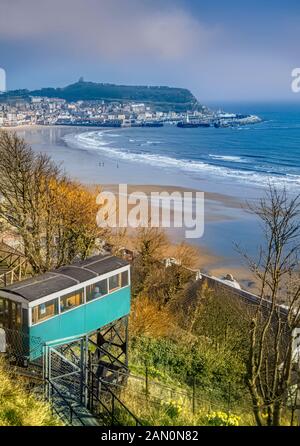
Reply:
x=222 y=50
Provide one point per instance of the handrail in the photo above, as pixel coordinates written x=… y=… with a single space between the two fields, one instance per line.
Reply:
x=16 y=266
x=95 y=396
x=137 y=421
x=72 y=411
x=12 y=272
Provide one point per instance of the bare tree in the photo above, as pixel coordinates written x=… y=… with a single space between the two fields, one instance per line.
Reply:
x=187 y=255
x=54 y=217
x=151 y=244
x=24 y=185
x=275 y=320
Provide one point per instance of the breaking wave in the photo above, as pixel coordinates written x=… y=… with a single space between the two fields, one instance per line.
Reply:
x=95 y=140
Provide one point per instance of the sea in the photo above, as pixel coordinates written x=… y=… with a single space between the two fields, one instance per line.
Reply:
x=250 y=155
x=238 y=162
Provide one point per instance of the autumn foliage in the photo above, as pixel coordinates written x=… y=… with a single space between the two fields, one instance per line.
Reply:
x=54 y=217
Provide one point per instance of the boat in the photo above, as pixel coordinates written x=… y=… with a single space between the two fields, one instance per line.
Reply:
x=191 y=125
x=152 y=124
x=187 y=124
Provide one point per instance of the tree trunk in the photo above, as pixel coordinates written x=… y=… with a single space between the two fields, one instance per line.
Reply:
x=277 y=414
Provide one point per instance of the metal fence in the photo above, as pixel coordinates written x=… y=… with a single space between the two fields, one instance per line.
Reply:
x=76 y=392
x=19 y=347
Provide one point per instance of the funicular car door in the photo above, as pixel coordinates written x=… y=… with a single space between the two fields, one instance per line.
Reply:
x=11 y=322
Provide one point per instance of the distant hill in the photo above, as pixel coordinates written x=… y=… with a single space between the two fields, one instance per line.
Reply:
x=161 y=98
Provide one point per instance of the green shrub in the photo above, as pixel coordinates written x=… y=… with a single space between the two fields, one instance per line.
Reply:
x=166 y=360
x=222 y=419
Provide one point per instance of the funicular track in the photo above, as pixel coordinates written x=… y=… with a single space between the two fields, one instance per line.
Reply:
x=83 y=390
x=73 y=358
x=80 y=379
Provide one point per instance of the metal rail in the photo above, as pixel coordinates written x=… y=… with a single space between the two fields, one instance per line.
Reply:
x=65 y=400
x=15 y=274
x=106 y=388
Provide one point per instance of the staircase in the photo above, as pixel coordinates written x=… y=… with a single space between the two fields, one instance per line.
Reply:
x=69 y=410
x=13 y=273
x=82 y=394
x=13 y=265
x=102 y=407
x=106 y=405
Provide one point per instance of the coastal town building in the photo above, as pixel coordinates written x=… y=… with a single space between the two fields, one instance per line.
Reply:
x=38 y=110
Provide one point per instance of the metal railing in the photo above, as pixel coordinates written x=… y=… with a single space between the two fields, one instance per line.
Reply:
x=54 y=390
x=15 y=274
x=21 y=347
x=94 y=381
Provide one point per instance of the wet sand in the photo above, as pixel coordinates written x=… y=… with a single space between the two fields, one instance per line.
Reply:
x=205 y=259
x=226 y=221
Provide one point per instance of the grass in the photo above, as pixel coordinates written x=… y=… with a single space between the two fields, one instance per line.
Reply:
x=20 y=408
x=168 y=402
x=163 y=408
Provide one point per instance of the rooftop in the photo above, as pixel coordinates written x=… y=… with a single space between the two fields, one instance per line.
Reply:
x=65 y=277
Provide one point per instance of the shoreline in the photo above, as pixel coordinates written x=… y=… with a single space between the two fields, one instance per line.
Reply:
x=25 y=126
x=226 y=221
x=208 y=261
x=226 y=200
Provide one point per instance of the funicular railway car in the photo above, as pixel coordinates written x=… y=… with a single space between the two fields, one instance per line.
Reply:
x=71 y=301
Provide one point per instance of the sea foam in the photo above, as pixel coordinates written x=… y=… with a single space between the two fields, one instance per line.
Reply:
x=95 y=140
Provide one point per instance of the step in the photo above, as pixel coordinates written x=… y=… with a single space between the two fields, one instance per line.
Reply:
x=81 y=415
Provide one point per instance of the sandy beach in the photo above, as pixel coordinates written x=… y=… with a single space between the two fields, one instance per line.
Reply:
x=226 y=221
x=206 y=260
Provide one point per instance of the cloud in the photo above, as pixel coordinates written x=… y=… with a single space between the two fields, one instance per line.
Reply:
x=225 y=53
x=105 y=28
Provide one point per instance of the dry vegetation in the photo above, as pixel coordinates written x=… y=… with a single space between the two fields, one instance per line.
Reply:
x=18 y=407
x=53 y=216
x=180 y=331
x=185 y=330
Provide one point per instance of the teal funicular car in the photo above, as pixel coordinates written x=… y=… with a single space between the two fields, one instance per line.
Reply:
x=71 y=301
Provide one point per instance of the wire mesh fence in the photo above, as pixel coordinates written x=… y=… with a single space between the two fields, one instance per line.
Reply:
x=72 y=386
x=19 y=348
x=64 y=370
